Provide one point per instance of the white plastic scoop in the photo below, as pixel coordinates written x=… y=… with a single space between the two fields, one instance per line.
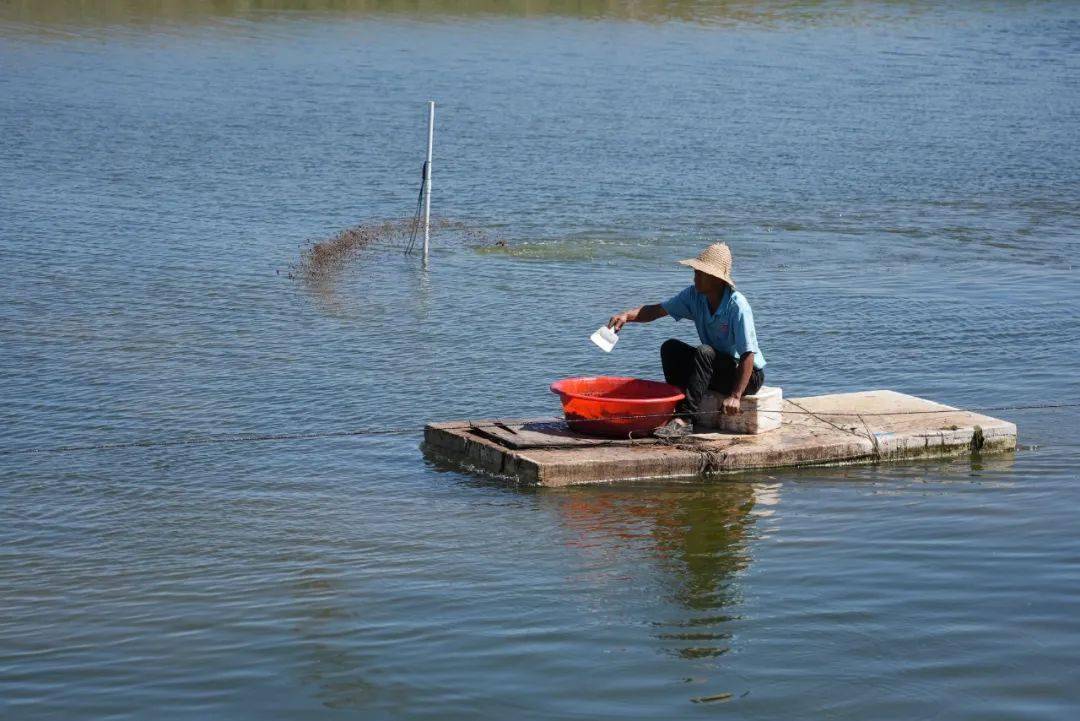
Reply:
x=605 y=338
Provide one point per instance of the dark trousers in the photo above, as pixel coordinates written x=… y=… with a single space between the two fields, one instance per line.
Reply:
x=699 y=369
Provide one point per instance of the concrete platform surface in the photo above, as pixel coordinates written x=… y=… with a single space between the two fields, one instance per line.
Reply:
x=864 y=427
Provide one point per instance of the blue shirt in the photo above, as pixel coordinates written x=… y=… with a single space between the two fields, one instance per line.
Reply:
x=729 y=330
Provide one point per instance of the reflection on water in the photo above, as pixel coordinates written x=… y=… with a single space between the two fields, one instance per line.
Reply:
x=328 y=662
x=698 y=537
x=76 y=12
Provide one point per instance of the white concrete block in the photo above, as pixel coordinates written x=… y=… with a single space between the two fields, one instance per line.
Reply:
x=759 y=413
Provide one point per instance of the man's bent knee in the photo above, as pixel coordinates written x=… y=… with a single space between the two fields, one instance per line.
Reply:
x=670 y=345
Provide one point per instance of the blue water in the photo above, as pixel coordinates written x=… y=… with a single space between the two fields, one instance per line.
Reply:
x=899 y=183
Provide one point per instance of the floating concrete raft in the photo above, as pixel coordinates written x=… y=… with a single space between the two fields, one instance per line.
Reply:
x=842 y=428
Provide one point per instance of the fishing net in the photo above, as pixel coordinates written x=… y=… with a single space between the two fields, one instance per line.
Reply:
x=322 y=261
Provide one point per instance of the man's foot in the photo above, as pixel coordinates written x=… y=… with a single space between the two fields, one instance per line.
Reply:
x=675 y=428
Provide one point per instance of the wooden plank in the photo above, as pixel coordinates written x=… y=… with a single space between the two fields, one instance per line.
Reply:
x=550 y=433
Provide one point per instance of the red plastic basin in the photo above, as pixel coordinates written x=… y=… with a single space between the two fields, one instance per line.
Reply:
x=598 y=405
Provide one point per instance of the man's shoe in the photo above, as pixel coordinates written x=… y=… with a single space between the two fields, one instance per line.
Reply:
x=675 y=428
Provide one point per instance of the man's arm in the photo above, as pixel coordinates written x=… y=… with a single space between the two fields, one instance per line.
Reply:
x=742 y=377
x=642 y=314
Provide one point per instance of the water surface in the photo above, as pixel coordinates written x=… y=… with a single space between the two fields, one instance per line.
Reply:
x=900 y=186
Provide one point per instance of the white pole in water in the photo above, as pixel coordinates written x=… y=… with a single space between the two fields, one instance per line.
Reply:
x=427 y=177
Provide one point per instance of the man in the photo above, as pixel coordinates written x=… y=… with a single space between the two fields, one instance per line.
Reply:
x=728 y=359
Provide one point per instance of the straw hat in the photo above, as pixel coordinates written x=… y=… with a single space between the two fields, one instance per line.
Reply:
x=714 y=260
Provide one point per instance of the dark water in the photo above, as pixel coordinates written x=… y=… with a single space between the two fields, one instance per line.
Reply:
x=900 y=184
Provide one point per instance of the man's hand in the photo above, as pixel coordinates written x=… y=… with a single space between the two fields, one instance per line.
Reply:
x=644 y=314
x=618 y=321
x=731 y=405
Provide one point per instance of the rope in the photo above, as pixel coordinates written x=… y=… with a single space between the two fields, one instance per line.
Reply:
x=409 y=430
x=419 y=205
x=802 y=412
x=207 y=440
x=873 y=437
